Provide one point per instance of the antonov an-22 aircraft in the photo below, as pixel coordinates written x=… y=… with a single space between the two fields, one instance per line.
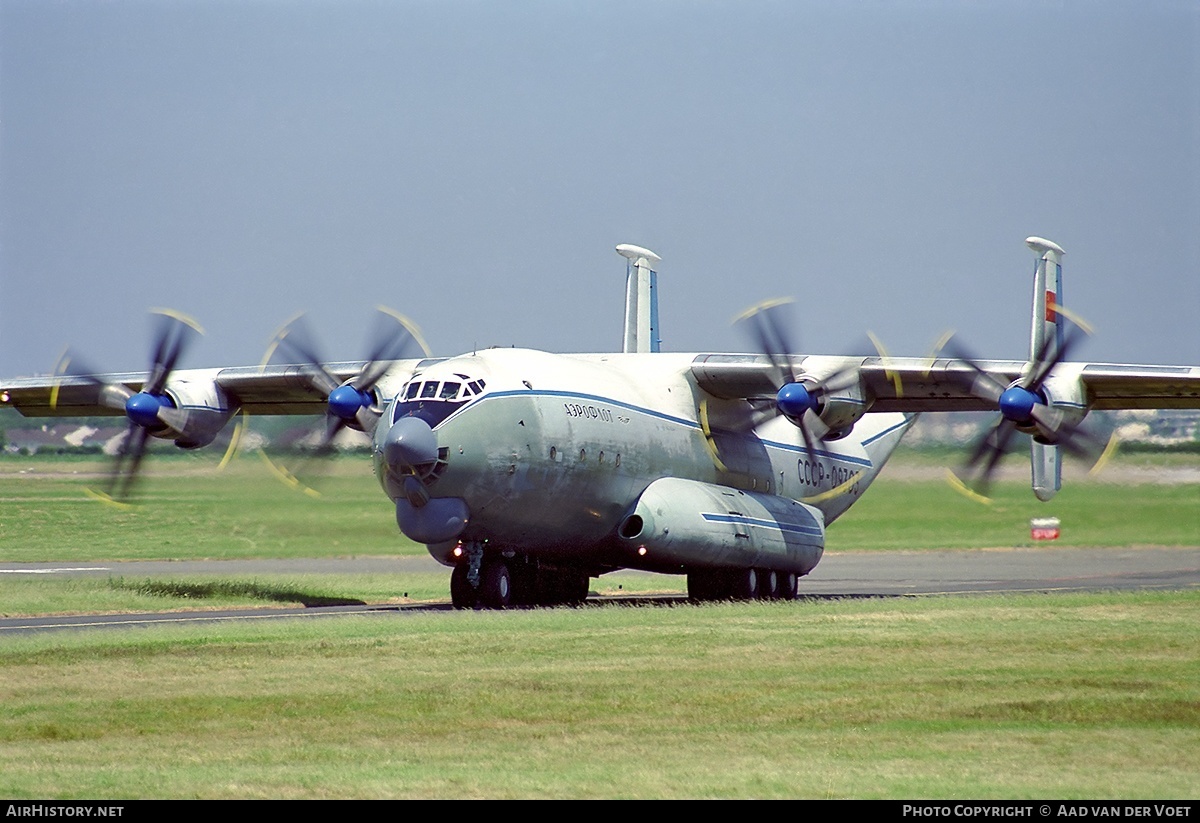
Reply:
x=529 y=472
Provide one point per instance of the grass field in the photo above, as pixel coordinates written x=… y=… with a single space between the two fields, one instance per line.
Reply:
x=1053 y=696
x=1070 y=696
x=191 y=510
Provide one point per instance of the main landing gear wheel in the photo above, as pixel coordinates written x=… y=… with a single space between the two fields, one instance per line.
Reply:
x=768 y=584
x=707 y=585
x=554 y=587
x=495 y=589
x=745 y=584
x=789 y=586
x=462 y=594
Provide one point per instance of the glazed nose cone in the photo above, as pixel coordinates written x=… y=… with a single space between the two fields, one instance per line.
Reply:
x=410 y=443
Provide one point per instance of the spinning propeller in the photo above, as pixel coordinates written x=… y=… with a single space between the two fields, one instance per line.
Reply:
x=799 y=398
x=149 y=411
x=1023 y=406
x=351 y=403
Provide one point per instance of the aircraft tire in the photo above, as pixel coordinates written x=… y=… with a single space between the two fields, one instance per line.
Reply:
x=789 y=585
x=745 y=584
x=706 y=585
x=496 y=590
x=768 y=584
x=462 y=594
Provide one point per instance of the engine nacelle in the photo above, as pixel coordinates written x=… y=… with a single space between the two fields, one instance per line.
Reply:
x=841 y=411
x=838 y=396
x=684 y=524
x=1063 y=393
x=1051 y=409
x=207 y=410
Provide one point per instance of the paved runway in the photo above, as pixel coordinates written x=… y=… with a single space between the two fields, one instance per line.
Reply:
x=840 y=574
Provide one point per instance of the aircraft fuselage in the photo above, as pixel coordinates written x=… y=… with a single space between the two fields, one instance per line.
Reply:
x=553 y=454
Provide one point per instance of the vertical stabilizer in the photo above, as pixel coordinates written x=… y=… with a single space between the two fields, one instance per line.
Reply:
x=1046 y=338
x=641 y=299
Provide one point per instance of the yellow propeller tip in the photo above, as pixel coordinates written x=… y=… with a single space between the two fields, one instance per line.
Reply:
x=763 y=306
x=962 y=488
x=181 y=317
x=108 y=500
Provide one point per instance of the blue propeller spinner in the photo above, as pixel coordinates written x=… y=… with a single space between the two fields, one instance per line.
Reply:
x=345 y=402
x=793 y=400
x=144 y=409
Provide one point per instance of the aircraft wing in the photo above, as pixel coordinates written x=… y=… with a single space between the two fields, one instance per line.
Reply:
x=911 y=384
x=944 y=385
x=255 y=389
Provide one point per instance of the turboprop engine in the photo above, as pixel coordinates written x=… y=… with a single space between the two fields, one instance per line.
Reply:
x=833 y=395
x=190 y=412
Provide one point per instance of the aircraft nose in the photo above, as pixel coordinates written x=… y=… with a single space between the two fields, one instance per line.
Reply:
x=410 y=443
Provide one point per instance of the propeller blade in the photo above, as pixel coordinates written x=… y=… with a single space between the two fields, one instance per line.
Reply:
x=767 y=325
x=122 y=477
x=175 y=333
x=990 y=449
x=295 y=341
x=352 y=403
x=146 y=410
x=71 y=365
x=1023 y=404
x=982 y=385
x=1044 y=366
x=395 y=338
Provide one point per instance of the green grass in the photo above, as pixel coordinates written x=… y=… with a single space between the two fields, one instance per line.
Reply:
x=1068 y=696
x=28 y=595
x=190 y=510
x=1027 y=696
x=928 y=514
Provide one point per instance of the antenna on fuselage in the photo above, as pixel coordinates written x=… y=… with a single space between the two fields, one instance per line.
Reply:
x=641 y=299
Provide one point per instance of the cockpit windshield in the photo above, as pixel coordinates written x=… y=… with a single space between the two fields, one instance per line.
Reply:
x=433 y=399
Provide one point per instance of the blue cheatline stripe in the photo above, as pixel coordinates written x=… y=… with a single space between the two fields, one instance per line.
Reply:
x=887 y=431
x=810 y=531
x=670 y=418
x=844 y=458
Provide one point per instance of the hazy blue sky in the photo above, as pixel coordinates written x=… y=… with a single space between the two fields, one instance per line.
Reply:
x=473 y=164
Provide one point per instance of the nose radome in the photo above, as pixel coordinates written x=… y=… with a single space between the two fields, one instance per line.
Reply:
x=410 y=442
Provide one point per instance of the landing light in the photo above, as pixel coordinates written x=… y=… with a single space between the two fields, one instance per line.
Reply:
x=641 y=551
x=458 y=550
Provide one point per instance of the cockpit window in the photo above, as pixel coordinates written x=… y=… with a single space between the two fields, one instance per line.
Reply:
x=435 y=400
